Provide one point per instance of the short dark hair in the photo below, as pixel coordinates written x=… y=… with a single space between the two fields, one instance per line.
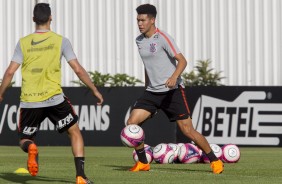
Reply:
x=41 y=13
x=147 y=9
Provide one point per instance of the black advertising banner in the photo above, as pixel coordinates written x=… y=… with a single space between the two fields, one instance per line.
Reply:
x=239 y=115
x=100 y=125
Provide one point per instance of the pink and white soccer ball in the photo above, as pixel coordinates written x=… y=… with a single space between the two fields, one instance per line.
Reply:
x=175 y=149
x=230 y=153
x=163 y=154
x=180 y=144
x=217 y=151
x=132 y=136
x=149 y=154
x=198 y=149
x=189 y=153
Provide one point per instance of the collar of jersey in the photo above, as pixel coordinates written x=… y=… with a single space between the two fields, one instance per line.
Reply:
x=41 y=31
x=156 y=31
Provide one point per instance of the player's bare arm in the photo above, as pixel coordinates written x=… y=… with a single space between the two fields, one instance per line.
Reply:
x=8 y=76
x=84 y=77
x=181 y=65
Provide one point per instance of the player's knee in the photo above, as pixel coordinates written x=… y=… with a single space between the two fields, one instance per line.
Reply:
x=73 y=130
x=131 y=121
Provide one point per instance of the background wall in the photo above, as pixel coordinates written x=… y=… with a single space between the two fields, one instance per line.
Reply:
x=242 y=38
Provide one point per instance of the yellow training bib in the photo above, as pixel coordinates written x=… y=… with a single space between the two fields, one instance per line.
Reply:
x=41 y=67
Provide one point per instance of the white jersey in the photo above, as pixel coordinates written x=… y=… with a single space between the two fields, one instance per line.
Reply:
x=157 y=53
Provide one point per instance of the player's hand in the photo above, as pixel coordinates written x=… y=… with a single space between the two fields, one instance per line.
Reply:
x=171 y=82
x=99 y=96
x=1 y=99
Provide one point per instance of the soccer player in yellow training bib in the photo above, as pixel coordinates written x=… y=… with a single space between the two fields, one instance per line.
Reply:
x=39 y=55
x=164 y=64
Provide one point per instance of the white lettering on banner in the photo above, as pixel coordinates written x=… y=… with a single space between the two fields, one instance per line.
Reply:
x=105 y=116
x=47 y=125
x=90 y=118
x=93 y=117
x=3 y=117
x=84 y=122
x=240 y=121
x=12 y=117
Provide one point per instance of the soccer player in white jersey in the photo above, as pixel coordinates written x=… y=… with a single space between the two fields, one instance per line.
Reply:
x=41 y=94
x=164 y=64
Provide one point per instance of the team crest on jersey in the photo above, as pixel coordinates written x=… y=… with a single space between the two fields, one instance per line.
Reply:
x=153 y=47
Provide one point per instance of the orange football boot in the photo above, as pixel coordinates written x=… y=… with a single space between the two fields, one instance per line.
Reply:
x=81 y=180
x=217 y=167
x=32 y=164
x=139 y=166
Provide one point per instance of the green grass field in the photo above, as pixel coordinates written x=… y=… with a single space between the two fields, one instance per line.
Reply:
x=110 y=164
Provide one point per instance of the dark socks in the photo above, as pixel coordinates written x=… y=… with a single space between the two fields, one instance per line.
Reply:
x=141 y=153
x=25 y=145
x=212 y=156
x=79 y=166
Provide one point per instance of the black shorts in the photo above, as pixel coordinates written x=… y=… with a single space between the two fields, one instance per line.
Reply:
x=61 y=115
x=173 y=103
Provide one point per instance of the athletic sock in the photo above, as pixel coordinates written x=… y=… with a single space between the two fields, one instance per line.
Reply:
x=141 y=153
x=79 y=166
x=25 y=146
x=212 y=156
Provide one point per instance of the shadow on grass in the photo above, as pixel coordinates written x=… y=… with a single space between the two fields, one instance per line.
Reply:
x=25 y=178
x=119 y=167
x=126 y=168
x=182 y=170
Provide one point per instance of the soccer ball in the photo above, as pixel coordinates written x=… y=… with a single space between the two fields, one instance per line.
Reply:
x=216 y=150
x=149 y=154
x=178 y=152
x=189 y=153
x=230 y=153
x=180 y=144
x=197 y=148
x=175 y=149
x=163 y=154
x=132 y=136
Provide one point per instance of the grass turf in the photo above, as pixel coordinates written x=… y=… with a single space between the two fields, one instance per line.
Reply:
x=110 y=164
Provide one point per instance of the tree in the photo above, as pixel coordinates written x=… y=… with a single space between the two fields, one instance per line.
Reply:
x=203 y=75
